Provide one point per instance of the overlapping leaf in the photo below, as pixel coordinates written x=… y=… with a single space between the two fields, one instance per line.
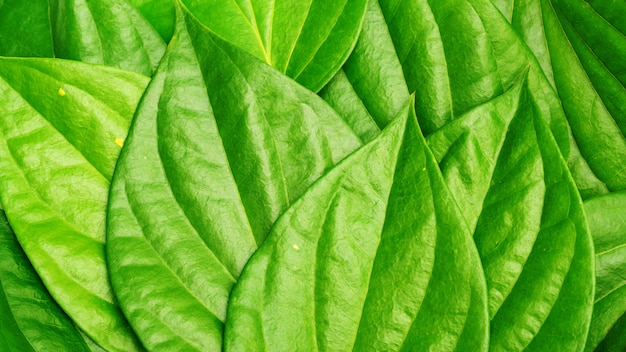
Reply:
x=58 y=146
x=583 y=51
x=160 y=13
x=370 y=89
x=308 y=40
x=222 y=143
x=31 y=320
x=109 y=32
x=502 y=163
x=374 y=256
x=607 y=222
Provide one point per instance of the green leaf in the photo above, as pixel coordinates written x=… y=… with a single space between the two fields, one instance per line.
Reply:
x=307 y=40
x=370 y=89
x=583 y=53
x=366 y=261
x=160 y=13
x=58 y=146
x=503 y=165
x=220 y=146
x=109 y=32
x=30 y=319
x=608 y=227
x=615 y=340
x=25 y=28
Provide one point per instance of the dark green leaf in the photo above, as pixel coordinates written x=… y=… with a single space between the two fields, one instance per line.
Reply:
x=374 y=256
x=109 y=32
x=503 y=165
x=370 y=90
x=308 y=40
x=607 y=222
x=30 y=319
x=160 y=13
x=615 y=340
x=25 y=28
x=221 y=145
x=58 y=146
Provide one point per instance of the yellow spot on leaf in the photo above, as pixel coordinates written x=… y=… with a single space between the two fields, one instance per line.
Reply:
x=119 y=142
x=61 y=92
x=296 y=247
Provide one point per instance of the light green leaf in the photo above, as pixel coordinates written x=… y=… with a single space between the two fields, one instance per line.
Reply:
x=30 y=319
x=370 y=89
x=503 y=165
x=59 y=144
x=25 y=28
x=307 y=40
x=109 y=32
x=366 y=260
x=221 y=145
x=607 y=222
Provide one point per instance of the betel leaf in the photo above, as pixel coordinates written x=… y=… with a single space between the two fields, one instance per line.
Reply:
x=307 y=40
x=30 y=319
x=220 y=146
x=502 y=163
x=374 y=256
x=25 y=28
x=370 y=89
x=58 y=146
x=607 y=222
x=458 y=54
x=583 y=54
x=109 y=32
x=160 y=13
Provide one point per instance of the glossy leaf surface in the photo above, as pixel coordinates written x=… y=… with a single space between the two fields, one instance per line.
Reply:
x=58 y=147
x=370 y=89
x=308 y=40
x=109 y=32
x=607 y=222
x=364 y=260
x=30 y=319
x=502 y=163
x=222 y=143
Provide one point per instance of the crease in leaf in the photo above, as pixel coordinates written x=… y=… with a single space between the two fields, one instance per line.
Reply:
x=341 y=271
x=220 y=146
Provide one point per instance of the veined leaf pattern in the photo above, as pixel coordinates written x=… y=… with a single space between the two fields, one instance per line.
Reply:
x=501 y=161
x=38 y=323
x=222 y=143
x=366 y=260
x=58 y=147
x=307 y=40
x=607 y=223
